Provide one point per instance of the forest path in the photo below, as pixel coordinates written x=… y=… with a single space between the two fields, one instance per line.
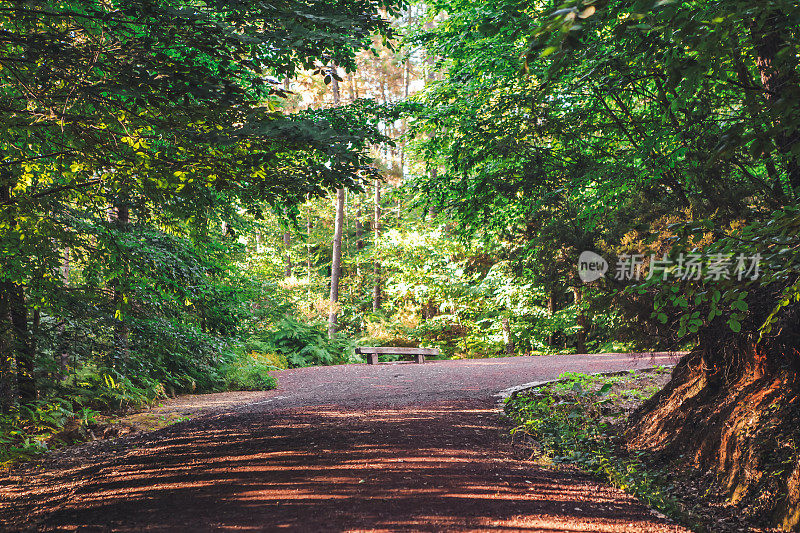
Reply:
x=347 y=448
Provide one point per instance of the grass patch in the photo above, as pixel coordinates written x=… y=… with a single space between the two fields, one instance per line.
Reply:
x=575 y=421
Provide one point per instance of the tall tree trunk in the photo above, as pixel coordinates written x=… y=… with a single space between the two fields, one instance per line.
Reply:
x=336 y=261
x=24 y=348
x=551 y=310
x=8 y=394
x=407 y=78
x=743 y=75
x=430 y=76
x=359 y=237
x=778 y=70
x=309 y=227
x=350 y=87
x=506 y=325
x=15 y=338
x=345 y=222
x=404 y=122
x=34 y=337
x=376 y=223
x=376 y=267
x=580 y=341
x=287 y=242
x=8 y=381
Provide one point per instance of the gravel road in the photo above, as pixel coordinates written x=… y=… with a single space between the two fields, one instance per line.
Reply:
x=390 y=447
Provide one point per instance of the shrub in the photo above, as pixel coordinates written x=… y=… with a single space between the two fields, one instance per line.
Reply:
x=305 y=344
x=251 y=371
x=568 y=420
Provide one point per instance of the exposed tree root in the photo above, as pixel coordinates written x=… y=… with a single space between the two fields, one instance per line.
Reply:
x=747 y=430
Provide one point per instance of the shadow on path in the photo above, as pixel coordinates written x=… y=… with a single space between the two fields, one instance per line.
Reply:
x=434 y=466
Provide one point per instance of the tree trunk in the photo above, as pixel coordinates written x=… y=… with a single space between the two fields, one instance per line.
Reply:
x=376 y=267
x=287 y=242
x=336 y=263
x=580 y=341
x=8 y=395
x=778 y=72
x=24 y=348
x=359 y=237
x=34 y=337
x=754 y=107
x=335 y=88
x=309 y=227
x=551 y=310
x=506 y=324
x=350 y=87
x=15 y=341
x=345 y=222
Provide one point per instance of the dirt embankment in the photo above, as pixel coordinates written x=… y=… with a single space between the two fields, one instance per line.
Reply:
x=745 y=433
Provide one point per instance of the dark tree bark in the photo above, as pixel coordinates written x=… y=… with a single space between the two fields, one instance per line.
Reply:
x=777 y=67
x=18 y=352
x=8 y=394
x=359 y=244
x=23 y=345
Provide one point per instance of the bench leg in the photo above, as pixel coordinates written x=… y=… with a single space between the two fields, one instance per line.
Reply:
x=420 y=358
x=372 y=358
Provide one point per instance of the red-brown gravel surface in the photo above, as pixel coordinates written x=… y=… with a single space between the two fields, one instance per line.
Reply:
x=394 y=447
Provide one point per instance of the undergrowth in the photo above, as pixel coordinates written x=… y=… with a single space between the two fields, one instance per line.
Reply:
x=251 y=371
x=62 y=416
x=572 y=421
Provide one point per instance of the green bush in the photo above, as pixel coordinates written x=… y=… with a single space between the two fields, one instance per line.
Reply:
x=251 y=371
x=568 y=421
x=306 y=344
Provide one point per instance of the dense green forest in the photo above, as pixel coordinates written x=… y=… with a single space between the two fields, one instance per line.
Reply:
x=195 y=193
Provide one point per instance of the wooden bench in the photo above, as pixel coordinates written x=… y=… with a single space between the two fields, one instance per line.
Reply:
x=372 y=352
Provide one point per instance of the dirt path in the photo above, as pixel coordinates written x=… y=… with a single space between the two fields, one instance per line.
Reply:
x=349 y=448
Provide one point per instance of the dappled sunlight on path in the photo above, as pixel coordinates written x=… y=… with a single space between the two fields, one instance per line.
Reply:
x=444 y=463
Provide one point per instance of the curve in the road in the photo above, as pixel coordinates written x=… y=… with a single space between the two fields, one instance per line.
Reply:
x=395 y=447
